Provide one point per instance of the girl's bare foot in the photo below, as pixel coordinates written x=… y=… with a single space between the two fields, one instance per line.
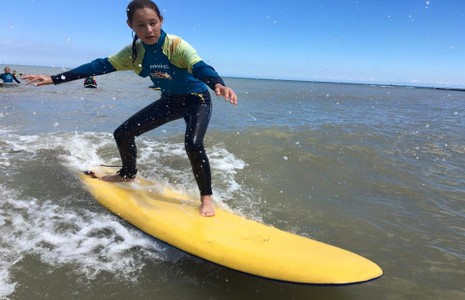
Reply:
x=116 y=178
x=207 y=209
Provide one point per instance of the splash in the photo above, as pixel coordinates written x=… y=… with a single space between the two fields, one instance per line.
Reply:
x=60 y=224
x=61 y=235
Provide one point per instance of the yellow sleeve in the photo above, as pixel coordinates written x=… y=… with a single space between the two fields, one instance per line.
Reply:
x=122 y=61
x=180 y=53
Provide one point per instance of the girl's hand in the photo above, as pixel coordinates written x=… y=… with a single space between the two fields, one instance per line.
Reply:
x=226 y=92
x=37 y=80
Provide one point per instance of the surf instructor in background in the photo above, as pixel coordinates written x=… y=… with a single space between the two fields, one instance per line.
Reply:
x=8 y=77
x=183 y=77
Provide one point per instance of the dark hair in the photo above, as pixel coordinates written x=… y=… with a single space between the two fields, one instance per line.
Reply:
x=132 y=7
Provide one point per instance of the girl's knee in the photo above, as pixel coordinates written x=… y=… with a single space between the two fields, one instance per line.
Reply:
x=194 y=148
x=121 y=135
x=118 y=134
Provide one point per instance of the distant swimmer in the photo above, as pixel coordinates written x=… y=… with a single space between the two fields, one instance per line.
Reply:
x=8 y=77
x=90 y=82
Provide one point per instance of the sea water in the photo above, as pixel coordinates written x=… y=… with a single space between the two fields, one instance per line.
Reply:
x=377 y=170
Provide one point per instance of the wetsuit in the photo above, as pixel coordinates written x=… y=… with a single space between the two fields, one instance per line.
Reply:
x=174 y=66
x=8 y=78
x=90 y=82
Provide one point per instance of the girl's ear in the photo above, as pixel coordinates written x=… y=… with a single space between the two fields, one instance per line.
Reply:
x=129 y=24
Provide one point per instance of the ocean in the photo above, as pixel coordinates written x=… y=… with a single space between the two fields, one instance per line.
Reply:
x=377 y=170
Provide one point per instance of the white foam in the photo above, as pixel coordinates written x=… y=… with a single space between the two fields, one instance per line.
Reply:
x=83 y=149
x=163 y=161
x=224 y=167
x=173 y=160
x=94 y=242
x=6 y=286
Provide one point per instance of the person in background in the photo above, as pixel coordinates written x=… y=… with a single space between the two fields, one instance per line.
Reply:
x=90 y=82
x=173 y=65
x=8 y=77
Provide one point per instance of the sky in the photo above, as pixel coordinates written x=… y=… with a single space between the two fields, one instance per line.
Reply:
x=412 y=42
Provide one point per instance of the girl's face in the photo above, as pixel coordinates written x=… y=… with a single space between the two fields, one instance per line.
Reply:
x=147 y=25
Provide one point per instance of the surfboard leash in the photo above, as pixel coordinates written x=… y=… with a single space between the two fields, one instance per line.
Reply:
x=91 y=174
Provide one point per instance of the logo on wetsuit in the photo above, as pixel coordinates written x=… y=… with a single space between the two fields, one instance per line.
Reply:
x=155 y=73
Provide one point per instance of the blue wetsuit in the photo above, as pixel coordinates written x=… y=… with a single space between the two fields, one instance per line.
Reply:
x=174 y=66
x=8 y=78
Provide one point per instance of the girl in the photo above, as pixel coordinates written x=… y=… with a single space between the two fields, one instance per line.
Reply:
x=174 y=66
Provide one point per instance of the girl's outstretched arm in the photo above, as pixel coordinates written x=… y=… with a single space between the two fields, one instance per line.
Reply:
x=37 y=80
x=98 y=66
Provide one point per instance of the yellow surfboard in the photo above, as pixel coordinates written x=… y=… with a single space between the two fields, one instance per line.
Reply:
x=228 y=239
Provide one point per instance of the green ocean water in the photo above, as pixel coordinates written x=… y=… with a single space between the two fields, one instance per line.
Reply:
x=375 y=170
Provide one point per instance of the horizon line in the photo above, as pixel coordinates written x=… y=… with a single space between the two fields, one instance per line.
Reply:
x=379 y=84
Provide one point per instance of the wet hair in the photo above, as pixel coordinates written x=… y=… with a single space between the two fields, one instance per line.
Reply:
x=132 y=7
